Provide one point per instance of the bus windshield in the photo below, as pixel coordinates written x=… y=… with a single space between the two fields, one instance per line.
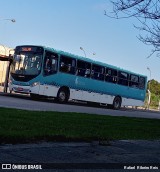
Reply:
x=27 y=63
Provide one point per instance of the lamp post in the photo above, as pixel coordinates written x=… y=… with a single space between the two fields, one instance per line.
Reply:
x=150 y=77
x=94 y=54
x=83 y=51
x=149 y=87
x=12 y=20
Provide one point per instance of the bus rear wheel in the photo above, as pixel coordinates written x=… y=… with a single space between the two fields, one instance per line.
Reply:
x=63 y=95
x=117 y=103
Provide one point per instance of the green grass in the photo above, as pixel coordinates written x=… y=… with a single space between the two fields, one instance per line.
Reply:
x=29 y=126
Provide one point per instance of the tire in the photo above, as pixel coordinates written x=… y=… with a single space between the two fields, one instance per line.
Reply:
x=63 y=95
x=117 y=103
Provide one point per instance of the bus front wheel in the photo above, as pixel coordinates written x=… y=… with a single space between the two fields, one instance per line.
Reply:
x=117 y=103
x=63 y=95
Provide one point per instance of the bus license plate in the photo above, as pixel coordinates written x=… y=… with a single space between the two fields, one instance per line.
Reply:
x=20 y=89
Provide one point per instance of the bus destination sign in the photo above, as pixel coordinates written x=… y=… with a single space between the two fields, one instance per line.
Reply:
x=27 y=49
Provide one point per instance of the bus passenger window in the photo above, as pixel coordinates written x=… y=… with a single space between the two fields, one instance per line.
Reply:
x=111 y=75
x=123 y=78
x=67 y=65
x=134 y=81
x=87 y=73
x=83 y=69
x=63 y=67
x=98 y=72
x=50 y=63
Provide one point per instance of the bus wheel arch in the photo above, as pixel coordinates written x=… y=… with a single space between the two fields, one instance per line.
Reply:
x=117 y=102
x=63 y=94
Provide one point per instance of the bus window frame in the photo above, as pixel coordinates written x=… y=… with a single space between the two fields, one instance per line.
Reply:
x=134 y=84
x=70 y=69
x=98 y=73
x=87 y=71
x=121 y=79
x=50 y=72
x=113 y=78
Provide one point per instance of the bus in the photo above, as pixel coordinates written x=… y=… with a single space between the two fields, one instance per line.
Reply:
x=43 y=71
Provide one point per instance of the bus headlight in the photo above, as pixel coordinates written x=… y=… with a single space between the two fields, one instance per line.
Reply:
x=35 y=84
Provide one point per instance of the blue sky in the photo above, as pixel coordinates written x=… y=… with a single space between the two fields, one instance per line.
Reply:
x=70 y=24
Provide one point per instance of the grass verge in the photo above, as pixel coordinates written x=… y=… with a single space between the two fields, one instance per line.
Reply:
x=21 y=126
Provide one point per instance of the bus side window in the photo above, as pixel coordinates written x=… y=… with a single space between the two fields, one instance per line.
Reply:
x=134 y=81
x=50 y=63
x=67 y=65
x=111 y=75
x=123 y=78
x=97 y=72
x=83 y=69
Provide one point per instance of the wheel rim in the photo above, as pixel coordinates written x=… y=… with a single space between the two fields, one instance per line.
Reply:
x=62 y=96
x=117 y=103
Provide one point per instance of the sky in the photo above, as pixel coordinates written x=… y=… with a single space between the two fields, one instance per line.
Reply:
x=70 y=24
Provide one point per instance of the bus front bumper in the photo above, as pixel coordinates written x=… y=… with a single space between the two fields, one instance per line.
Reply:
x=20 y=89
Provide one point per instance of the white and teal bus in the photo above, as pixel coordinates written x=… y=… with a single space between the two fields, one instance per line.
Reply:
x=42 y=71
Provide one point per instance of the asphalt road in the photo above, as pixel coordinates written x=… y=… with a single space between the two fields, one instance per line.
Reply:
x=82 y=156
x=24 y=102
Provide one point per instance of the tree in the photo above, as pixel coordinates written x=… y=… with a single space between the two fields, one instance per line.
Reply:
x=155 y=92
x=147 y=12
x=154 y=87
